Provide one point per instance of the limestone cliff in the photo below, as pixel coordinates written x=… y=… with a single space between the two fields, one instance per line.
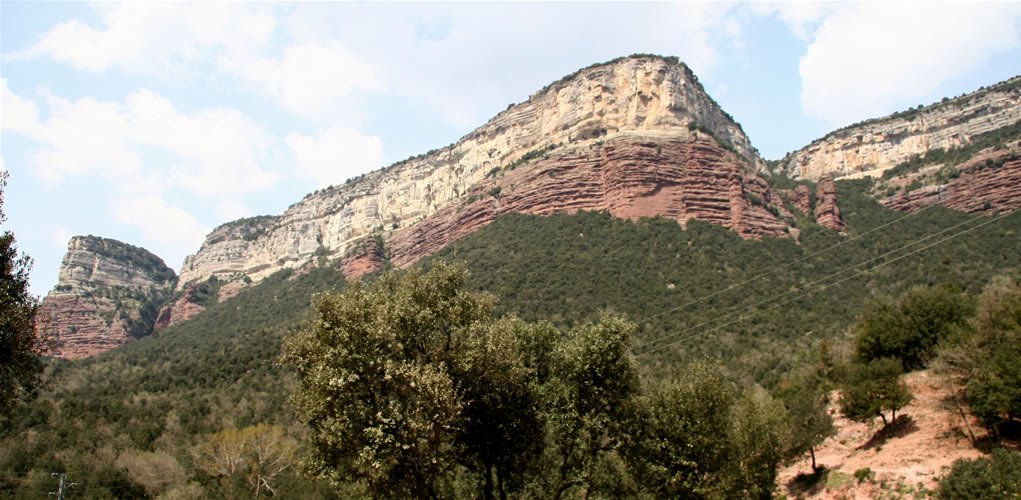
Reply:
x=108 y=292
x=630 y=175
x=582 y=113
x=876 y=145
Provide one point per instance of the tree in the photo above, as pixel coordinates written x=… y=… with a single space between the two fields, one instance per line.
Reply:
x=590 y=397
x=21 y=346
x=679 y=448
x=258 y=455
x=986 y=356
x=810 y=422
x=405 y=379
x=910 y=329
x=994 y=477
x=873 y=388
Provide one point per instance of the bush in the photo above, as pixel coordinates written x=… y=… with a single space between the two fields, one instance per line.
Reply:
x=998 y=476
x=909 y=330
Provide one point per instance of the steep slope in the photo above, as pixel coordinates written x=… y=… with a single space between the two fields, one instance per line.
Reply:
x=108 y=292
x=876 y=145
x=622 y=110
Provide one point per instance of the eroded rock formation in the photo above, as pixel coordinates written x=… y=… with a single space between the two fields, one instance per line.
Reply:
x=638 y=95
x=988 y=184
x=629 y=176
x=879 y=144
x=108 y=292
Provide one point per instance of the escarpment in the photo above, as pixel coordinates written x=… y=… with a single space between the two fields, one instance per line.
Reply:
x=988 y=184
x=629 y=176
x=630 y=97
x=876 y=145
x=108 y=292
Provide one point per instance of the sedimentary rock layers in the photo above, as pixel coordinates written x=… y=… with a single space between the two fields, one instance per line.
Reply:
x=108 y=292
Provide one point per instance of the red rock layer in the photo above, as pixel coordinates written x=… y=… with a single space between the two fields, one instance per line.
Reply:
x=979 y=189
x=181 y=310
x=367 y=257
x=78 y=326
x=801 y=198
x=827 y=213
x=630 y=177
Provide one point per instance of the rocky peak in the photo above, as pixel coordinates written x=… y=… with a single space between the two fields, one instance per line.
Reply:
x=108 y=292
x=638 y=96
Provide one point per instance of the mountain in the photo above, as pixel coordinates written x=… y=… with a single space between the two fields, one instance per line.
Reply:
x=874 y=146
x=634 y=137
x=637 y=136
x=107 y=293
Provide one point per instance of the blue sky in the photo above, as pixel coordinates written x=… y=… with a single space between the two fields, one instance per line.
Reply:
x=152 y=123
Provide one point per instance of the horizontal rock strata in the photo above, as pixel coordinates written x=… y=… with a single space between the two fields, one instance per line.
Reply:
x=629 y=177
x=877 y=145
x=632 y=95
x=107 y=293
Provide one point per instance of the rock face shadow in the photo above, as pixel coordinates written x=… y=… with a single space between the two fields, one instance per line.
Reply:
x=900 y=427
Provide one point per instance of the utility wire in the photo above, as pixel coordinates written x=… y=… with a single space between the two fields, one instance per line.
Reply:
x=785 y=266
x=742 y=317
x=813 y=283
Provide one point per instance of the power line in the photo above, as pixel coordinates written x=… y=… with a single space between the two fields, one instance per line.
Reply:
x=824 y=287
x=785 y=266
x=813 y=283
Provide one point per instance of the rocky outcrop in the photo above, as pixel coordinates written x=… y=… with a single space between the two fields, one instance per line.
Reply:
x=877 y=145
x=988 y=184
x=182 y=309
x=801 y=198
x=632 y=96
x=827 y=213
x=108 y=292
x=631 y=175
x=366 y=257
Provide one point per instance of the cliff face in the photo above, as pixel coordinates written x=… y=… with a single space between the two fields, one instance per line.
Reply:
x=877 y=145
x=625 y=98
x=631 y=175
x=108 y=292
x=989 y=183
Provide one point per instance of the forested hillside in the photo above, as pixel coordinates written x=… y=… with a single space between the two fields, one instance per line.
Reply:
x=118 y=422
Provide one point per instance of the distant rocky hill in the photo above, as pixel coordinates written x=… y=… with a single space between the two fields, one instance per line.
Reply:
x=634 y=137
x=637 y=136
x=108 y=292
x=876 y=145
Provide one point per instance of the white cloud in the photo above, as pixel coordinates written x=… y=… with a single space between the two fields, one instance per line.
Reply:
x=315 y=81
x=215 y=151
x=176 y=231
x=870 y=59
x=334 y=155
x=467 y=60
x=148 y=152
x=151 y=37
x=17 y=114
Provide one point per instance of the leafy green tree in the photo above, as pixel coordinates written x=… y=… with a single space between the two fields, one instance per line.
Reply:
x=873 y=388
x=994 y=477
x=758 y=433
x=590 y=397
x=986 y=356
x=503 y=421
x=679 y=447
x=375 y=388
x=808 y=416
x=21 y=347
x=910 y=329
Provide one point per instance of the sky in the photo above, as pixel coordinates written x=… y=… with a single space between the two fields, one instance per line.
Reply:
x=153 y=123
